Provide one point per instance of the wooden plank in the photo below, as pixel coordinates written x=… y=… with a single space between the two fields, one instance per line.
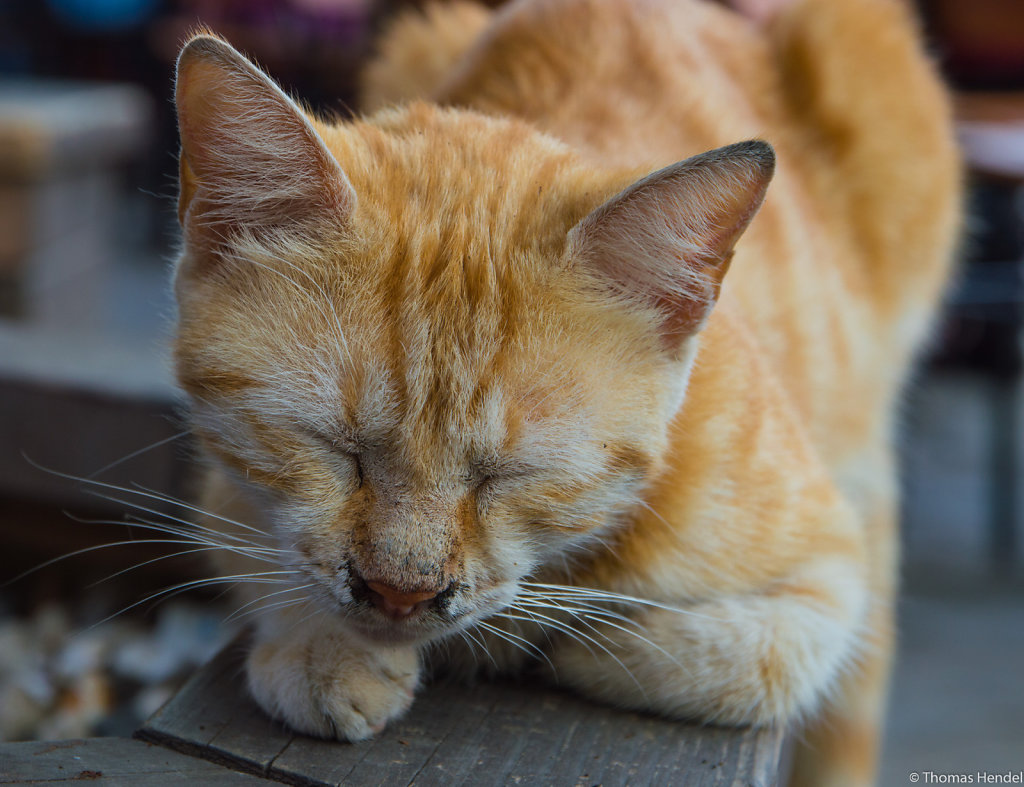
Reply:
x=487 y=734
x=109 y=761
x=213 y=717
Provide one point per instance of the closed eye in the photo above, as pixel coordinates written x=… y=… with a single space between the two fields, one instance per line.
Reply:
x=486 y=476
x=341 y=448
x=359 y=467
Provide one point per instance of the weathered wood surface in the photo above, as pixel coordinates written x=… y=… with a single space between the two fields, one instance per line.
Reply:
x=488 y=734
x=110 y=762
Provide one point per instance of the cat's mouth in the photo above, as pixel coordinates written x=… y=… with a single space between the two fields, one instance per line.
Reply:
x=410 y=621
x=418 y=628
x=386 y=633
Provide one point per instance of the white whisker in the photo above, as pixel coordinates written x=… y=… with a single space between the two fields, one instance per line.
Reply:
x=516 y=641
x=185 y=522
x=139 y=452
x=578 y=607
x=582 y=638
x=260 y=578
x=643 y=639
x=255 y=552
x=472 y=644
x=182 y=553
x=237 y=612
x=572 y=591
x=136 y=489
x=93 y=548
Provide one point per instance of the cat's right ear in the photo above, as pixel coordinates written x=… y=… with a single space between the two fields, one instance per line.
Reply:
x=251 y=161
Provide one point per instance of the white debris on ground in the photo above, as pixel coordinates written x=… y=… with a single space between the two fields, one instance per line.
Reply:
x=59 y=680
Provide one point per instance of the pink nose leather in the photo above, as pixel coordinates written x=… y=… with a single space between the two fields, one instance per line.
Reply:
x=397 y=603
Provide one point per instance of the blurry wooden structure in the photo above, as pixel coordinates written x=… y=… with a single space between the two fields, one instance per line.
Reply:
x=61 y=144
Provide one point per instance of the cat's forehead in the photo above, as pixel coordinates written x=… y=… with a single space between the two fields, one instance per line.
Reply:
x=460 y=229
x=472 y=185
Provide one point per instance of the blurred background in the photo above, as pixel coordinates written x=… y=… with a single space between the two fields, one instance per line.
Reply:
x=87 y=231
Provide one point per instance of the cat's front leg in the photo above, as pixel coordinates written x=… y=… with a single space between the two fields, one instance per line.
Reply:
x=320 y=680
x=759 y=658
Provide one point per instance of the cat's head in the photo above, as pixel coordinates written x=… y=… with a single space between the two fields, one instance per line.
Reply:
x=438 y=348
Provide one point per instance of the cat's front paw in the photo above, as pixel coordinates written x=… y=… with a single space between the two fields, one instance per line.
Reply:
x=326 y=684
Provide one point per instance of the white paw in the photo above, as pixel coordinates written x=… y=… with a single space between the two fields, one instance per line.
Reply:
x=328 y=685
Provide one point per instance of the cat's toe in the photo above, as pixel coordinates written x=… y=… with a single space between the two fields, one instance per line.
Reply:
x=352 y=721
x=362 y=700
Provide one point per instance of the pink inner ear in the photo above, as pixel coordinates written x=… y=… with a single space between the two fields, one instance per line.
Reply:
x=253 y=157
x=667 y=240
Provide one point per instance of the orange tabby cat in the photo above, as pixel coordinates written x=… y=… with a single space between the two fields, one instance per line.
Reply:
x=458 y=371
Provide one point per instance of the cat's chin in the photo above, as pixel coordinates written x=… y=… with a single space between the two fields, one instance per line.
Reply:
x=408 y=633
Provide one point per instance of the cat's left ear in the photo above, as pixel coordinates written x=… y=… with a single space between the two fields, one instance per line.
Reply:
x=667 y=240
x=250 y=158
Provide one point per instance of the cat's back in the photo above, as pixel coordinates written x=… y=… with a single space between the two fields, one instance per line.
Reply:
x=637 y=84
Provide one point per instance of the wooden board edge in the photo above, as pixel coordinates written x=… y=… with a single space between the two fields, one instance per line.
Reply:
x=219 y=757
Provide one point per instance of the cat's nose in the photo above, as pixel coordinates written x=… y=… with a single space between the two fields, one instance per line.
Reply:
x=395 y=602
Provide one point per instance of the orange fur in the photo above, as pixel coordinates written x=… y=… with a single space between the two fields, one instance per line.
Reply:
x=472 y=352
x=418 y=51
